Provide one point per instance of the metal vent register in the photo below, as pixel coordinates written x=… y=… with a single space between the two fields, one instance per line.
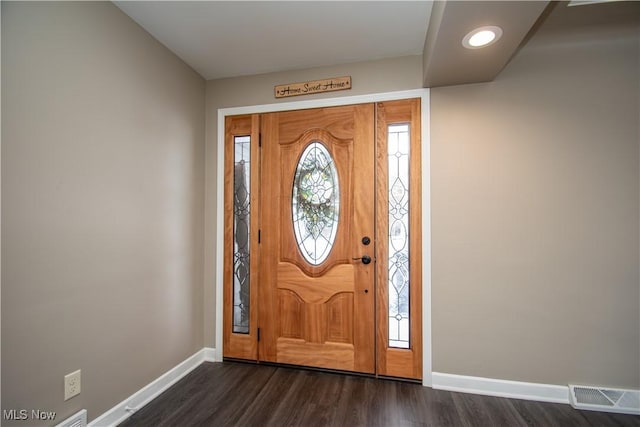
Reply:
x=79 y=419
x=605 y=399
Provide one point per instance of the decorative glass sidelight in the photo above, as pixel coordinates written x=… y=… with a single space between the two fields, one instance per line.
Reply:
x=315 y=203
x=241 y=227
x=398 y=156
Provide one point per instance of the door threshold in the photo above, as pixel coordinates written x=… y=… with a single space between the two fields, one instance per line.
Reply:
x=322 y=370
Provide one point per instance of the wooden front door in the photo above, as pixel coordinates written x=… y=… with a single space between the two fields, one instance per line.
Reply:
x=322 y=238
x=317 y=290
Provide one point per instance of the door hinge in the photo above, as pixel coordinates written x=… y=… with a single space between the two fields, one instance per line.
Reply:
x=259 y=235
x=258 y=334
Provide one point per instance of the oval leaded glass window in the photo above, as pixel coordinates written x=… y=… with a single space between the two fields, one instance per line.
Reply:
x=315 y=203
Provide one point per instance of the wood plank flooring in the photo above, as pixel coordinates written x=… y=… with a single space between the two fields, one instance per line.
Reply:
x=238 y=394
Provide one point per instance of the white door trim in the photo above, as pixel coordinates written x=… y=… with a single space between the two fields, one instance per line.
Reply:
x=423 y=94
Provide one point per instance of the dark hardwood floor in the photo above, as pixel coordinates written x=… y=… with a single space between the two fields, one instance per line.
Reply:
x=237 y=394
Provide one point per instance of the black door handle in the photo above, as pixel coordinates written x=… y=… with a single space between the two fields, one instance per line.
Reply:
x=366 y=259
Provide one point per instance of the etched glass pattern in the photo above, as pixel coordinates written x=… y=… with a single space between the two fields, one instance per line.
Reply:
x=241 y=224
x=398 y=152
x=315 y=203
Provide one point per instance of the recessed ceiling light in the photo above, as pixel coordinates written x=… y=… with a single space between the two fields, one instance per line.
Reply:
x=482 y=37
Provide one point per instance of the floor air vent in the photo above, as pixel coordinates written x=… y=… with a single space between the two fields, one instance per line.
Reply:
x=605 y=399
x=79 y=419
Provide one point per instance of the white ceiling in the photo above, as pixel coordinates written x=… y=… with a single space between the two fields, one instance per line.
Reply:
x=232 y=38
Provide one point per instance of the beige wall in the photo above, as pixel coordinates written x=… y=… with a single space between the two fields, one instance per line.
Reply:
x=102 y=206
x=0 y=217
x=368 y=77
x=535 y=217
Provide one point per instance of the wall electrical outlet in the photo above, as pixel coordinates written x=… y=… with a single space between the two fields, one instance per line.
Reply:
x=71 y=384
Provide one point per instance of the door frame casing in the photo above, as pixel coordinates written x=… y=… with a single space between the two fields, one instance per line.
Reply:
x=423 y=94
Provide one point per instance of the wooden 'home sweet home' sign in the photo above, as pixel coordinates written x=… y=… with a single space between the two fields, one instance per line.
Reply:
x=314 y=86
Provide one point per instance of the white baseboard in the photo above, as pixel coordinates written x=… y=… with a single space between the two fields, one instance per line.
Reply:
x=501 y=388
x=136 y=401
x=211 y=355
